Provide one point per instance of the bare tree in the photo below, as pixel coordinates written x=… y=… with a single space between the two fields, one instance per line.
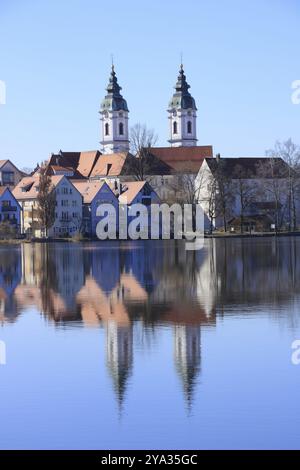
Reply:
x=273 y=172
x=245 y=191
x=290 y=153
x=46 y=201
x=141 y=141
x=224 y=191
x=212 y=205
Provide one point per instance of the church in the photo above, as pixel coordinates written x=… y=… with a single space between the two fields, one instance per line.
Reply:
x=116 y=162
x=163 y=166
x=182 y=114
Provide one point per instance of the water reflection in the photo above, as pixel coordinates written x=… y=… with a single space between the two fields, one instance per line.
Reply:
x=123 y=287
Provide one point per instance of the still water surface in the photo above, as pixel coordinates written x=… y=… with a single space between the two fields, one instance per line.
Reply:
x=144 y=345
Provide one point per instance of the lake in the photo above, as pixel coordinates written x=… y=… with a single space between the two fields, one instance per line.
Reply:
x=144 y=345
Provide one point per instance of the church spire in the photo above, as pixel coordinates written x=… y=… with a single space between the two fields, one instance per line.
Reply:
x=114 y=116
x=182 y=114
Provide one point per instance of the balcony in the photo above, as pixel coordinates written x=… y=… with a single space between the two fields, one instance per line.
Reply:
x=65 y=220
x=8 y=208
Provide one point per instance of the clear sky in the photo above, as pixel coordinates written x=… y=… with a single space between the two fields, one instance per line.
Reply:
x=240 y=58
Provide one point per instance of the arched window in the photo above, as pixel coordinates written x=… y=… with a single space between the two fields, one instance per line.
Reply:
x=106 y=129
x=174 y=127
x=121 y=128
x=189 y=127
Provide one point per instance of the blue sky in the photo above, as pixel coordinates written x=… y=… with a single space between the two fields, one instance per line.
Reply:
x=240 y=59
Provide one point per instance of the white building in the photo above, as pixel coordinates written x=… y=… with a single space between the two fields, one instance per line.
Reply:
x=68 y=210
x=114 y=118
x=182 y=114
x=255 y=189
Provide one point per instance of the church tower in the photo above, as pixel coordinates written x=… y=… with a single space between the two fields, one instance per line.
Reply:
x=182 y=114
x=114 y=117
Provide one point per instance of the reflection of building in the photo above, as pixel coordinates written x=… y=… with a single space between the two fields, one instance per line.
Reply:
x=10 y=277
x=187 y=356
x=119 y=353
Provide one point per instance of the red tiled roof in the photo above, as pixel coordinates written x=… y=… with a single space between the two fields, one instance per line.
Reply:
x=31 y=184
x=132 y=190
x=2 y=190
x=183 y=158
x=81 y=162
x=88 y=189
x=112 y=164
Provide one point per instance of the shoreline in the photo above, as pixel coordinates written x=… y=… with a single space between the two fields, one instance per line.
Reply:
x=206 y=236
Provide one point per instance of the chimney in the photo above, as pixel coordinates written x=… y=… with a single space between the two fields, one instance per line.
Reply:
x=218 y=156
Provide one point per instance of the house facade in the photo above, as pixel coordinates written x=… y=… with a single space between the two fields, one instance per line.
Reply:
x=252 y=193
x=68 y=208
x=10 y=209
x=95 y=194
x=138 y=192
x=10 y=175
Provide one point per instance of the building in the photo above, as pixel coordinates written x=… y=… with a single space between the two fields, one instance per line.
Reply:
x=94 y=193
x=182 y=114
x=73 y=165
x=138 y=192
x=114 y=167
x=68 y=211
x=10 y=209
x=175 y=168
x=249 y=192
x=10 y=175
x=114 y=117
x=164 y=167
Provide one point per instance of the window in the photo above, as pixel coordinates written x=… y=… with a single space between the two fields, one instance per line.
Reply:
x=74 y=203
x=174 y=127
x=6 y=203
x=65 y=202
x=189 y=127
x=121 y=128
x=7 y=177
x=106 y=129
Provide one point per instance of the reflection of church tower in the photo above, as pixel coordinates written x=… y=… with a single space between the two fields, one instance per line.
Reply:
x=119 y=349
x=188 y=356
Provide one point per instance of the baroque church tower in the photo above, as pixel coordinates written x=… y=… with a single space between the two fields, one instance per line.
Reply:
x=182 y=114
x=114 y=117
